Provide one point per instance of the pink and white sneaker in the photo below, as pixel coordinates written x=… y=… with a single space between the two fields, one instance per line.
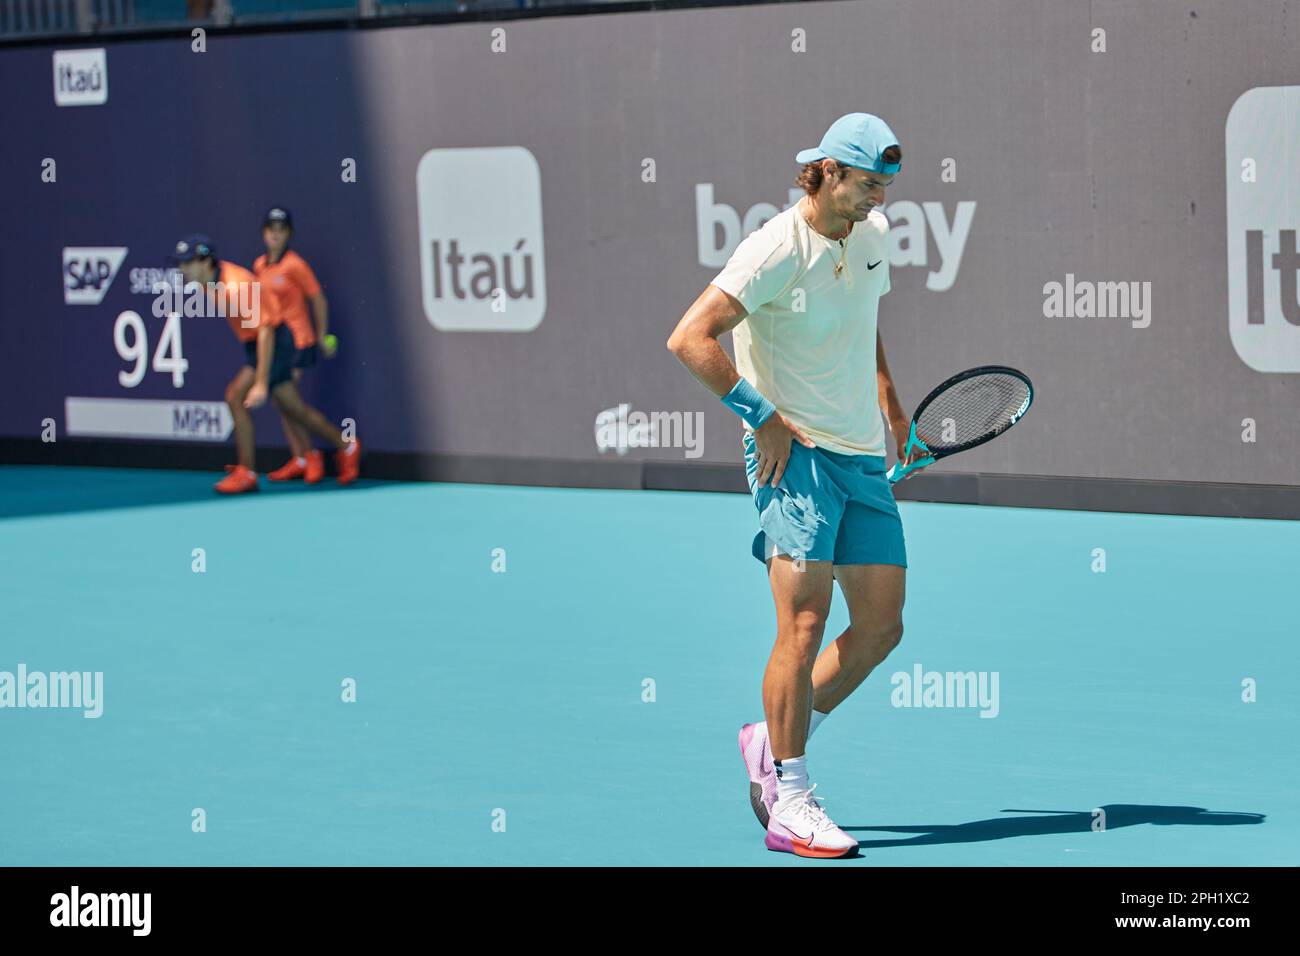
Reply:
x=800 y=826
x=756 y=748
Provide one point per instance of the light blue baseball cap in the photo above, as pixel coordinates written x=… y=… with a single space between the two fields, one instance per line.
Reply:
x=855 y=139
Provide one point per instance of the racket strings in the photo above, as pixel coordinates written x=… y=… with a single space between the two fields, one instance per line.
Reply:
x=972 y=409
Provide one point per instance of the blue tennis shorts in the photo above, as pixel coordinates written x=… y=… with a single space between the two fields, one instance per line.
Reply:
x=304 y=358
x=828 y=507
x=281 y=361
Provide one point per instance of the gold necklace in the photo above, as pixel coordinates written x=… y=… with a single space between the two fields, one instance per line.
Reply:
x=844 y=250
x=839 y=266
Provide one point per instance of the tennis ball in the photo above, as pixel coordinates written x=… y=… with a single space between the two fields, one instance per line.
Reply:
x=331 y=342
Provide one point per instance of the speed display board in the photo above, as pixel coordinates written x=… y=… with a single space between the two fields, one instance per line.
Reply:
x=143 y=368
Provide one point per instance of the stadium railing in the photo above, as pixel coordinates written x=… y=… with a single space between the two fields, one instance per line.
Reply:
x=26 y=20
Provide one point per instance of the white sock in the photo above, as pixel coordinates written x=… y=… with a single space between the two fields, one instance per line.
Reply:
x=791 y=777
x=813 y=723
x=300 y=460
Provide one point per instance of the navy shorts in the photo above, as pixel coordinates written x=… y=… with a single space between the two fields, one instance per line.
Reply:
x=828 y=507
x=305 y=358
x=281 y=361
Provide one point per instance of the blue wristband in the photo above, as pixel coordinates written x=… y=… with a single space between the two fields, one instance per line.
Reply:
x=747 y=402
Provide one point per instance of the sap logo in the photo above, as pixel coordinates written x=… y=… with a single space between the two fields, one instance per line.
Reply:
x=1262 y=141
x=88 y=271
x=719 y=229
x=482 y=261
x=80 y=77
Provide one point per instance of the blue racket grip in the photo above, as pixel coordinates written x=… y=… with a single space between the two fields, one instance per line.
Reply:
x=901 y=471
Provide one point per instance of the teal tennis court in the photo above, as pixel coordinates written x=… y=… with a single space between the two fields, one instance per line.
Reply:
x=504 y=641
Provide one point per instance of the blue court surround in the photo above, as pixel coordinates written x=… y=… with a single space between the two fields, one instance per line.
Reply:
x=523 y=690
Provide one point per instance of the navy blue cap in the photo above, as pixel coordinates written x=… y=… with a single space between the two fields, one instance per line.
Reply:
x=278 y=214
x=194 y=246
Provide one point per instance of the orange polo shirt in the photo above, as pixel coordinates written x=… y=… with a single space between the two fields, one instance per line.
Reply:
x=246 y=299
x=293 y=283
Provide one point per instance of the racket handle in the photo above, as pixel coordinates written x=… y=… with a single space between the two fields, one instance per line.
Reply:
x=901 y=471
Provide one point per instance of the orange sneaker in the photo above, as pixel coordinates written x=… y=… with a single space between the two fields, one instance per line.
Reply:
x=238 y=481
x=315 y=467
x=293 y=468
x=349 y=462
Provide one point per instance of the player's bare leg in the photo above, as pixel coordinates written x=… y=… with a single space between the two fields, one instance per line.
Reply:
x=802 y=599
x=245 y=443
x=305 y=461
x=289 y=401
x=874 y=594
x=299 y=440
x=802 y=592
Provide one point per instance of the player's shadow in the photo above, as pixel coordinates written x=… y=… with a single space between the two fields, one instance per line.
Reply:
x=1055 y=821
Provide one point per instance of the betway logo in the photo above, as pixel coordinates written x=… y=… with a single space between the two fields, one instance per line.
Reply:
x=719 y=229
x=88 y=271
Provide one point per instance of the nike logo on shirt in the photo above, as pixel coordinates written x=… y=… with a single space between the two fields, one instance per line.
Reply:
x=872 y=265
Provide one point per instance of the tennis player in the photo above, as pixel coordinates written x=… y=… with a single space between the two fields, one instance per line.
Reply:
x=255 y=317
x=800 y=297
x=296 y=288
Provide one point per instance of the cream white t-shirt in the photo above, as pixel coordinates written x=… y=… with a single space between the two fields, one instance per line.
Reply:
x=809 y=341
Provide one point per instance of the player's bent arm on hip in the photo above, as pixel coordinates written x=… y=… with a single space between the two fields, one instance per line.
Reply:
x=695 y=343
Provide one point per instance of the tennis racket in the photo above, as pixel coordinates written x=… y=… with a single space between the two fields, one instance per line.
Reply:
x=972 y=407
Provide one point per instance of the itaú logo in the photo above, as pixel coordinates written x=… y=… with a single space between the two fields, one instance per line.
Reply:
x=1262 y=140
x=482 y=260
x=80 y=77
